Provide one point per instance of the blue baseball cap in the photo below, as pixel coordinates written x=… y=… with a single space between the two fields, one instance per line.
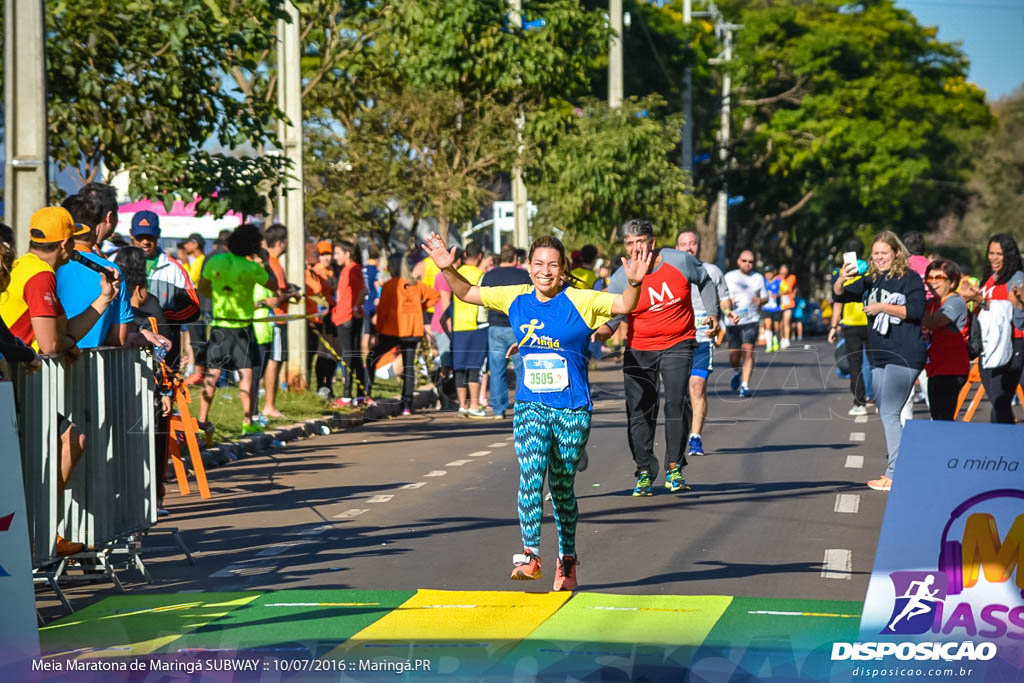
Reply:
x=145 y=223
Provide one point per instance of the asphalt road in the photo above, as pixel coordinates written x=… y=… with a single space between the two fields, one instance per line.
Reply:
x=778 y=507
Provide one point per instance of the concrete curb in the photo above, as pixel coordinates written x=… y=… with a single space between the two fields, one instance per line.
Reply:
x=246 y=446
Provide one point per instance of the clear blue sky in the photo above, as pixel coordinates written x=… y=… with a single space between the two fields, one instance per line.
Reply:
x=991 y=33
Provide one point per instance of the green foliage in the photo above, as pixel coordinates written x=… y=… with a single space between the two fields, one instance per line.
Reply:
x=424 y=150
x=470 y=47
x=610 y=165
x=999 y=178
x=847 y=118
x=136 y=86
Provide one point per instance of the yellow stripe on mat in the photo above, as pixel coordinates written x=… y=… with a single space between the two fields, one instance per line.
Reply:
x=433 y=615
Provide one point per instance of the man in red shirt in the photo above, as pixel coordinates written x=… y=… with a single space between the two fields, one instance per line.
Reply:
x=31 y=310
x=660 y=344
x=347 y=316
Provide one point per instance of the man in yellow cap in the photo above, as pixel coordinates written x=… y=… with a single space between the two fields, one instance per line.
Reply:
x=32 y=311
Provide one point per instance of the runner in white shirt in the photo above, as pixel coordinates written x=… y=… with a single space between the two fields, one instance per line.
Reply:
x=747 y=291
x=689 y=241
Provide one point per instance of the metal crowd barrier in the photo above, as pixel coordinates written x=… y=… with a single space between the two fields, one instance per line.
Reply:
x=111 y=494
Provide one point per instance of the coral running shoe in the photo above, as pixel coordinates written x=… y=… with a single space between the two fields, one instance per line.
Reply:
x=527 y=566
x=883 y=483
x=565 y=575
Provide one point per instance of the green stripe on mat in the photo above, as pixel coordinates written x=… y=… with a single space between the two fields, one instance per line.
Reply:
x=311 y=621
x=646 y=619
x=642 y=636
x=800 y=624
x=131 y=625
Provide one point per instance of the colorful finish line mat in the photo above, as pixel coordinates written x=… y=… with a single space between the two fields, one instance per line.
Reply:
x=460 y=635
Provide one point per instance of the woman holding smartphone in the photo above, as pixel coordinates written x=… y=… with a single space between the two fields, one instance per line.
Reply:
x=894 y=301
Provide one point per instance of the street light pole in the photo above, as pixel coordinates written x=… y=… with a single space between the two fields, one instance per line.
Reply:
x=521 y=230
x=615 y=54
x=290 y=203
x=26 y=187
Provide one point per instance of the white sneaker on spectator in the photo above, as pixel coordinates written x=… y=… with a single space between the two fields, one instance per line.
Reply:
x=479 y=412
x=858 y=409
x=324 y=393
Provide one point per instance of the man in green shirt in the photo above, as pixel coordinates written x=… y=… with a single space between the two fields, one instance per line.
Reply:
x=228 y=279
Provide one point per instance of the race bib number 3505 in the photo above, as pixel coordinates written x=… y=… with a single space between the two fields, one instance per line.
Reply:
x=545 y=372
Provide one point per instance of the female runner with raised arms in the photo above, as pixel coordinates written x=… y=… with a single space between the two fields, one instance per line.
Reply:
x=553 y=323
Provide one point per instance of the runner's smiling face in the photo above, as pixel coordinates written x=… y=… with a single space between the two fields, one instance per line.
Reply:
x=634 y=242
x=882 y=256
x=546 y=270
x=995 y=257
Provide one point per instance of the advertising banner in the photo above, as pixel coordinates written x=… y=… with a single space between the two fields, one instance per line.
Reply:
x=19 y=639
x=949 y=569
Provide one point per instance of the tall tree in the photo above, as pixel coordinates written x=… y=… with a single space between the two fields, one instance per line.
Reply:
x=137 y=86
x=610 y=165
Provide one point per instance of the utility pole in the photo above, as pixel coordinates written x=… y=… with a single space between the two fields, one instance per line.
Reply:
x=687 y=164
x=521 y=231
x=723 y=151
x=723 y=31
x=615 y=55
x=26 y=187
x=290 y=202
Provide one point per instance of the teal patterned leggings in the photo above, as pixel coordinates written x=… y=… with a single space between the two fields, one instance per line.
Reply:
x=549 y=439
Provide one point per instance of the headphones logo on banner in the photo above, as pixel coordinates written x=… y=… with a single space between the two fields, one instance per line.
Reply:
x=924 y=600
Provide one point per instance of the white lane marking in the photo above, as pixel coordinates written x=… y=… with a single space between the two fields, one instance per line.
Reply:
x=847 y=502
x=314 y=531
x=497 y=445
x=478 y=454
x=861 y=419
x=242 y=569
x=856 y=436
x=838 y=564
x=278 y=549
x=509 y=438
x=382 y=498
x=349 y=514
x=855 y=462
x=415 y=486
x=435 y=473
x=456 y=463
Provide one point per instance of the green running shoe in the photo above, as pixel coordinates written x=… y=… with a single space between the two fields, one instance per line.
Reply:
x=674 y=480
x=643 y=485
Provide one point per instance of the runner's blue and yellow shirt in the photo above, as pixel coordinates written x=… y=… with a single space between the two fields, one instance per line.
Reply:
x=553 y=337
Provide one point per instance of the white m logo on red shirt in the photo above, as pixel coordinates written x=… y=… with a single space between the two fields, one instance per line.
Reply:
x=660 y=298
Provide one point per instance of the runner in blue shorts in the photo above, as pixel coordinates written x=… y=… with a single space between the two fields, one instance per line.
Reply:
x=703 y=362
x=553 y=323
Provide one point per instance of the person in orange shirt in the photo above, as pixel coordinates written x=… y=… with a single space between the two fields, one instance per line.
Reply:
x=400 y=323
x=320 y=294
x=347 y=316
x=276 y=239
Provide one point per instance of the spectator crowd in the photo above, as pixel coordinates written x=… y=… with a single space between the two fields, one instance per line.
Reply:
x=910 y=325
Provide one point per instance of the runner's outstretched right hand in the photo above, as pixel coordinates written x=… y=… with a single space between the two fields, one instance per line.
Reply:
x=434 y=246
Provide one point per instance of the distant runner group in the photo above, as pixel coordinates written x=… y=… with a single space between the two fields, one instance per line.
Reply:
x=671 y=303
